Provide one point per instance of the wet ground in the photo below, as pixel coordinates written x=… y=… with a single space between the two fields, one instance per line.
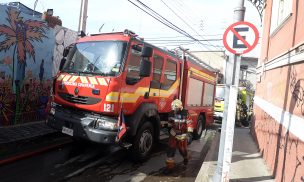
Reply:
x=87 y=162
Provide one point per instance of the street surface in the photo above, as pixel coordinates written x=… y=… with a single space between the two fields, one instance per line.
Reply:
x=88 y=162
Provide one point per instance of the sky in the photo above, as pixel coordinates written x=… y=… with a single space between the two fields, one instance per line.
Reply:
x=202 y=19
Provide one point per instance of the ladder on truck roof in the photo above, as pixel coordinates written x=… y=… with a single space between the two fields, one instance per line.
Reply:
x=198 y=60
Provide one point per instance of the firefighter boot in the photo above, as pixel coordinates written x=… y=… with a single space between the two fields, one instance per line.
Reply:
x=186 y=159
x=169 y=166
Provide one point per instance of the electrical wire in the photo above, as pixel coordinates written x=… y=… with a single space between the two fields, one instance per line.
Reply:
x=183 y=14
x=186 y=23
x=157 y=18
x=164 y=21
x=179 y=17
x=167 y=23
x=211 y=35
x=174 y=40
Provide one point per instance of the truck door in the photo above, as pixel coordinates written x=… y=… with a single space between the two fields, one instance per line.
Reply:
x=169 y=86
x=134 y=88
x=158 y=62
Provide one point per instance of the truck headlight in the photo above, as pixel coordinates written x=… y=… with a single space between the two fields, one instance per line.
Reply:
x=105 y=124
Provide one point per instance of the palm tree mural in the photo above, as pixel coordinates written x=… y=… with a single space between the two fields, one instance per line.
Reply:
x=21 y=34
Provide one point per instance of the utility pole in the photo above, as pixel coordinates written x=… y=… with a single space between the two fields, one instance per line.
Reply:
x=83 y=16
x=227 y=131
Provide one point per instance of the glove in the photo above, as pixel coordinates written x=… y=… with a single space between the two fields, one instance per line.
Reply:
x=189 y=138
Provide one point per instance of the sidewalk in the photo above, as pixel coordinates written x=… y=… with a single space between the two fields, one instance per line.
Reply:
x=15 y=133
x=247 y=163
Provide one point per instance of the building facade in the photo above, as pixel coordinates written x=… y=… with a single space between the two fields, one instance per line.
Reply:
x=278 y=123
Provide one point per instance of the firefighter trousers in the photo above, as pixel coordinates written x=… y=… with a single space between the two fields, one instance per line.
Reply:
x=180 y=144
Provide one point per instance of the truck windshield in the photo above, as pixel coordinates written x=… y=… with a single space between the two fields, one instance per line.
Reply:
x=97 y=58
x=220 y=92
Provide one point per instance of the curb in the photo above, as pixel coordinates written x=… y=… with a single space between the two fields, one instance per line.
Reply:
x=203 y=175
x=20 y=132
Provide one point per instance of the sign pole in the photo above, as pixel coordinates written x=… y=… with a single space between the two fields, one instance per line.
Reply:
x=231 y=91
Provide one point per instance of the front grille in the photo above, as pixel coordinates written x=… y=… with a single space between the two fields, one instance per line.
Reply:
x=79 y=99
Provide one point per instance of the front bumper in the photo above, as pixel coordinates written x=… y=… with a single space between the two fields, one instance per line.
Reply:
x=82 y=125
x=218 y=115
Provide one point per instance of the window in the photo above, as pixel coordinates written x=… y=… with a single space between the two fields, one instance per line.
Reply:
x=170 y=74
x=102 y=57
x=158 y=62
x=208 y=95
x=133 y=67
x=157 y=67
x=281 y=10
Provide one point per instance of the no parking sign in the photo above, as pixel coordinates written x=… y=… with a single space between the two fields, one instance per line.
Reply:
x=241 y=37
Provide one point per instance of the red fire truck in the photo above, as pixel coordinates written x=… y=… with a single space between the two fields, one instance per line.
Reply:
x=106 y=73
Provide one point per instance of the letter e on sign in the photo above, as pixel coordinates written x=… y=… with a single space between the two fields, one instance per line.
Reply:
x=241 y=37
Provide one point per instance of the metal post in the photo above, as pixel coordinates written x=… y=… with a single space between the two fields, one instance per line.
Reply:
x=83 y=16
x=232 y=81
x=80 y=16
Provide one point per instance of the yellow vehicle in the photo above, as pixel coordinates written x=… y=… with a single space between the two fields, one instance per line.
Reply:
x=244 y=104
x=219 y=101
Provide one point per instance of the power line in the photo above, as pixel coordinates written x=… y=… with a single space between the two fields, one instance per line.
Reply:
x=185 y=23
x=179 y=17
x=183 y=5
x=182 y=12
x=169 y=24
x=210 y=35
x=167 y=21
x=158 y=19
x=172 y=40
x=182 y=43
x=163 y=20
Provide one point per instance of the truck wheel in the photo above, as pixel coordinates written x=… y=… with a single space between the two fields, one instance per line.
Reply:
x=197 y=133
x=143 y=143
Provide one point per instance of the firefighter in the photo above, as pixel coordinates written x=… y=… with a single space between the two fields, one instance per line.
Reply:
x=180 y=133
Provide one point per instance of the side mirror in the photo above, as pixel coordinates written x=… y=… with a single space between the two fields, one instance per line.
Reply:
x=145 y=68
x=62 y=62
x=147 y=52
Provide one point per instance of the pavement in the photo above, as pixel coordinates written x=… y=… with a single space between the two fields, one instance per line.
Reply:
x=10 y=134
x=247 y=163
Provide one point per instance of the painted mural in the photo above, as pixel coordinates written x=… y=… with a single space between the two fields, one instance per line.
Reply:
x=28 y=48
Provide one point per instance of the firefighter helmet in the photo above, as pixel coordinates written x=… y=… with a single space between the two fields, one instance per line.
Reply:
x=177 y=105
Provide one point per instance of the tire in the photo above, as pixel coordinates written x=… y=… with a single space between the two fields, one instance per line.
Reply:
x=143 y=143
x=201 y=125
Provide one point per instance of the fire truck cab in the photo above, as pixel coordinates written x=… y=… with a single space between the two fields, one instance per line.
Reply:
x=106 y=73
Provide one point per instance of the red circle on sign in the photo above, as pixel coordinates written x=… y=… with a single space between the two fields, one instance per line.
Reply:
x=249 y=47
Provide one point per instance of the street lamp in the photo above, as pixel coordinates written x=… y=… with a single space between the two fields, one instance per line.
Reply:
x=259 y=5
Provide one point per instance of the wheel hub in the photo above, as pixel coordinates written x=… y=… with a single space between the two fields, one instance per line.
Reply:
x=145 y=142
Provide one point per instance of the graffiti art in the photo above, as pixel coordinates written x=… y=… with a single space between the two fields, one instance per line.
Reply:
x=28 y=60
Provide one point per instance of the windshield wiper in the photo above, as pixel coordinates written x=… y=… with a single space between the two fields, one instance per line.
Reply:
x=70 y=71
x=92 y=73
